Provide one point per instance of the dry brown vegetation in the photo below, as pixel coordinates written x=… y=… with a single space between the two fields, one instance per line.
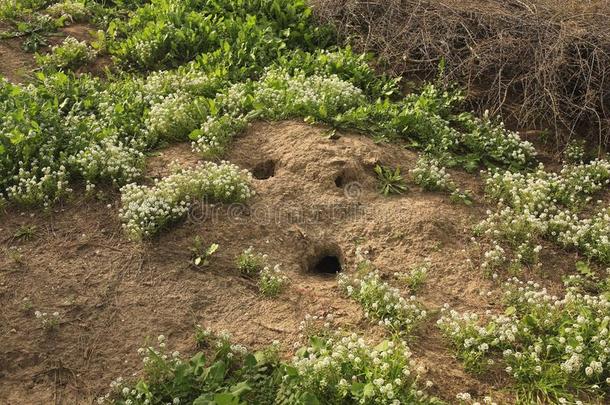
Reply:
x=540 y=63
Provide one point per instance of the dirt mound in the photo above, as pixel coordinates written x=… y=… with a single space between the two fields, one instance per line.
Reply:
x=113 y=294
x=541 y=63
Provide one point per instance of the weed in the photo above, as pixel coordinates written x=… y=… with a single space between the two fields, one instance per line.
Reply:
x=201 y=255
x=272 y=281
x=552 y=347
x=251 y=263
x=416 y=276
x=71 y=54
x=49 y=322
x=26 y=232
x=390 y=180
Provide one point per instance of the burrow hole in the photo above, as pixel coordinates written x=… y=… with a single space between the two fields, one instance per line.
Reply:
x=264 y=170
x=346 y=176
x=326 y=262
x=327 y=265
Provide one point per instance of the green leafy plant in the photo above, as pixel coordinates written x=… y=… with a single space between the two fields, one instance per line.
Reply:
x=251 y=263
x=390 y=180
x=554 y=348
x=272 y=281
x=25 y=232
x=71 y=54
x=200 y=254
x=416 y=276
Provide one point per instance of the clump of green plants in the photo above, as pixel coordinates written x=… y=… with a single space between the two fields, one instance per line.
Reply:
x=331 y=368
x=345 y=369
x=546 y=205
x=201 y=254
x=26 y=232
x=380 y=301
x=228 y=374
x=251 y=263
x=430 y=175
x=553 y=347
x=70 y=54
x=390 y=180
x=74 y=11
x=415 y=278
x=175 y=116
x=48 y=321
x=147 y=209
x=272 y=281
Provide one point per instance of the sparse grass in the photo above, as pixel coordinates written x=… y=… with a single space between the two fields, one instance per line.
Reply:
x=26 y=232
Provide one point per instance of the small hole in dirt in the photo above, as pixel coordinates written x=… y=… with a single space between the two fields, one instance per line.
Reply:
x=327 y=265
x=339 y=181
x=264 y=170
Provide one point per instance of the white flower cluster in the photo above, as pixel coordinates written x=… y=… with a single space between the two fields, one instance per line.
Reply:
x=545 y=204
x=590 y=235
x=466 y=398
x=251 y=263
x=173 y=117
x=147 y=209
x=49 y=321
x=382 y=302
x=541 y=337
x=272 y=281
x=38 y=184
x=278 y=95
x=70 y=9
x=492 y=139
x=109 y=159
x=348 y=370
x=216 y=132
x=184 y=80
x=284 y=95
x=430 y=175
x=71 y=53
x=574 y=152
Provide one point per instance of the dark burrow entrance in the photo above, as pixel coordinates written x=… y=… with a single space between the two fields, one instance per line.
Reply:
x=327 y=264
x=264 y=170
x=339 y=181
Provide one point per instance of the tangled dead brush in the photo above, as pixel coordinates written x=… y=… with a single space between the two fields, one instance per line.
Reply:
x=540 y=63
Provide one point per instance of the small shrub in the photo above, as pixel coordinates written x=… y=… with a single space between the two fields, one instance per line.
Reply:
x=381 y=302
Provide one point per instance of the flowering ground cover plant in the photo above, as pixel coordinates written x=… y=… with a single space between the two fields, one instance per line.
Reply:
x=555 y=348
x=145 y=210
x=71 y=54
x=380 y=301
x=547 y=205
x=336 y=368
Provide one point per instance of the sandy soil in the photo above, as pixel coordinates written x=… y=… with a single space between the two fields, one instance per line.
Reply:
x=319 y=198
